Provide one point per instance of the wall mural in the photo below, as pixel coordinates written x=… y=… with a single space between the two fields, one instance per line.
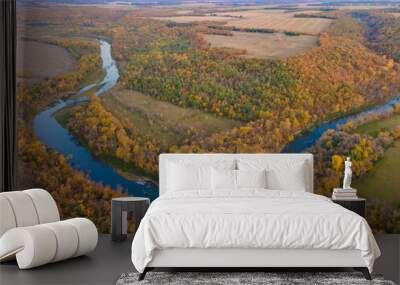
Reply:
x=105 y=87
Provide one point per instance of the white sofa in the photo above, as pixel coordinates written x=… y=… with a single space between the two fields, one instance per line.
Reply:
x=31 y=230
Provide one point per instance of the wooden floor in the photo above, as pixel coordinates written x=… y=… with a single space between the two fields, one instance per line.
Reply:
x=110 y=260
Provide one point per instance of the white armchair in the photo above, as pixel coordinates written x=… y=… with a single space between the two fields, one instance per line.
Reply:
x=31 y=230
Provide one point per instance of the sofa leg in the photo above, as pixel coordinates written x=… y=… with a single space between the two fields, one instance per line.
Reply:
x=364 y=271
x=143 y=274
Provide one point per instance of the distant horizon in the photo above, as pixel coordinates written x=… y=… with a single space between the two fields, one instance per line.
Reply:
x=173 y=2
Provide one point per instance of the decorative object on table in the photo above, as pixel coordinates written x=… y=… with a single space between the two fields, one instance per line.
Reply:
x=248 y=278
x=356 y=205
x=119 y=214
x=347 y=174
x=31 y=230
x=345 y=193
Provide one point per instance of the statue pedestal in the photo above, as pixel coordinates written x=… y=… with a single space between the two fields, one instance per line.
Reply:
x=345 y=194
x=351 y=190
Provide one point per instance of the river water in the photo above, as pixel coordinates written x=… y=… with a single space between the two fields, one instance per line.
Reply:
x=55 y=136
x=301 y=143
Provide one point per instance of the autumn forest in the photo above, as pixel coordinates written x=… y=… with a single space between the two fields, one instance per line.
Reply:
x=208 y=78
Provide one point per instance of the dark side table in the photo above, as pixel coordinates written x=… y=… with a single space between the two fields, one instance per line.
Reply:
x=119 y=215
x=355 y=205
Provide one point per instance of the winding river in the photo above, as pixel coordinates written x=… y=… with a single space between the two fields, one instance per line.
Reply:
x=302 y=142
x=55 y=136
x=59 y=138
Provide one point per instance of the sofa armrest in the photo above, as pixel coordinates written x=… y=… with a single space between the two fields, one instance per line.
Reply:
x=32 y=246
x=40 y=244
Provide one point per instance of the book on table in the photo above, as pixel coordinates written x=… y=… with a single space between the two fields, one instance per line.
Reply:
x=344 y=194
x=341 y=190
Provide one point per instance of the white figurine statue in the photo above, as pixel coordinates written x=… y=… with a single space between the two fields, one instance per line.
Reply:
x=347 y=174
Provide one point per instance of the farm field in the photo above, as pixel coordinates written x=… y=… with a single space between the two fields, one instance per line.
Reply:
x=167 y=123
x=278 y=20
x=267 y=46
x=189 y=19
x=383 y=180
x=37 y=60
x=373 y=128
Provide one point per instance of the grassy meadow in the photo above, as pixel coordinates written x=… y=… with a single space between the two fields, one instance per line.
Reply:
x=168 y=123
x=384 y=179
x=373 y=128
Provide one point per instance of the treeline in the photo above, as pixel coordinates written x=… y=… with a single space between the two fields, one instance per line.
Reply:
x=104 y=134
x=362 y=120
x=315 y=15
x=77 y=47
x=224 y=30
x=383 y=32
x=65 y=21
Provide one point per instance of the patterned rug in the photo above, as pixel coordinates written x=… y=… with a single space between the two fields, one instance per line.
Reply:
x=244 y=278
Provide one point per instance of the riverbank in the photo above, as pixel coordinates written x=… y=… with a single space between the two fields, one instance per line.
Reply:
x=126 y=170
x=308 y=138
